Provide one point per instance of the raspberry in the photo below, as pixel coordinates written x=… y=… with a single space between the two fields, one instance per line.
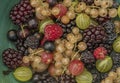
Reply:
x=52 y=32
x=100 y=53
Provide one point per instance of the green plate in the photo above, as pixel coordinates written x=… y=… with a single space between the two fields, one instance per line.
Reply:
x=5 y=25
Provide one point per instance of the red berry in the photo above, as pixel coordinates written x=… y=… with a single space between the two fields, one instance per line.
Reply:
x=52 y=32
x=63 y=10
x=76 y=67
x=51 y=70
x=46 y=57
x=100 y=53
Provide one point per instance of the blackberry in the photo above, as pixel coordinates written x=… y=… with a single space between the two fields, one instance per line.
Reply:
x=21 y=47
x=109 y=27
x=93 y=36
x=111 y=35
x=116 y=60
x=43 y=77
x=101 y=20
x=67 y=28
x=96 y=75
x=88 y=2
x=66 y=79
x=88 y=59
x=107 y=45
x=32 y=42
x=21 y=12
x=103 y=75
x=11 y=58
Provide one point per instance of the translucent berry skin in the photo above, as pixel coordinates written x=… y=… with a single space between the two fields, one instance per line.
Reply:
x=63 y=10
x=76 y=67
x=46 y=57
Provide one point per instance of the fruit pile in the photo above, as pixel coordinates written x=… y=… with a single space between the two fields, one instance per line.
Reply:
x=113 y=77
x=65 y=41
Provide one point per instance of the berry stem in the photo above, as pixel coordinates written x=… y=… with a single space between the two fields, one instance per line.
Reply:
x=64 y=69
x=58 y=19
x=75 y=54
x=75 y=47
x=38 y=51
x=22 y=28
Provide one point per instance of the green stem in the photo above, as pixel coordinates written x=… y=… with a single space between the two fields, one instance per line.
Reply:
x=37 y=52
x=22 y=28
x=65 y=68
x=41 y=2
x=75 y=54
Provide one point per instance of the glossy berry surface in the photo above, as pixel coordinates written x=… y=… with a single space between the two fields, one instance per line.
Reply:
x=49 y=46
x=33 y=24
x=76 y=67
x=12 y=35
x=52 y=2
x=46 y=57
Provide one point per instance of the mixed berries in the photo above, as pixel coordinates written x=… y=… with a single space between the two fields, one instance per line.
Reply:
x=65 y=41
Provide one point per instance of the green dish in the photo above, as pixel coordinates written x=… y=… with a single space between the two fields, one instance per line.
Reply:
x=5 y=25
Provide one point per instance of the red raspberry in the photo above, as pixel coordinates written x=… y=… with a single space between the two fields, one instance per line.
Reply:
x=52 y=32
x=100 y=53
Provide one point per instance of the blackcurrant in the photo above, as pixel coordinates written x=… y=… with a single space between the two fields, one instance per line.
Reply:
x=49 y=46
x=12 y=36
x=35 y=77
x=32 y=24
x=52 y=2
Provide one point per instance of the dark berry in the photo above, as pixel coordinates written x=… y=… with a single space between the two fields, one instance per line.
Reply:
x=21 y=47
x=93 y=36
x=96 y=75
x=35 y=77
x=39 y=35
x=66 y=79
x=67 y=28
x=88 y=58
x=12 y=58
x=23 y=33
x=52 y=2
x=21 y=12
x=12 y=35
x=43 y=77
x=32 y=42
x=49 y=46
x=32 y=23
